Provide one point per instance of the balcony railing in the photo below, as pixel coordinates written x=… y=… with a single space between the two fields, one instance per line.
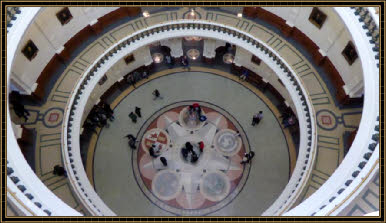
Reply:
x=80 y=94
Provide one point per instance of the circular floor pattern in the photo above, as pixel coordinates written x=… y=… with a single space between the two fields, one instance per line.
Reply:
x=186 y=188
x=119 y=183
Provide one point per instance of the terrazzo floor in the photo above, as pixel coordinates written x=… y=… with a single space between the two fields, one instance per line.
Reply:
x=113 y=166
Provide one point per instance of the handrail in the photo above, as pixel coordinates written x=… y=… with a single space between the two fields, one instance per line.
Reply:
x=31 y=193
x=180 y=28
x=12 y=14
x=362 y=158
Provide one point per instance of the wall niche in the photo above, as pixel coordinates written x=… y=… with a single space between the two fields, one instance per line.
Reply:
x=30 y=50
x=349 y=53
x=64 y=16
x=317 y=17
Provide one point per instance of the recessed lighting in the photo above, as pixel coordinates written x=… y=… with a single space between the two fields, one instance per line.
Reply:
x=146 y=14
x=239 y=14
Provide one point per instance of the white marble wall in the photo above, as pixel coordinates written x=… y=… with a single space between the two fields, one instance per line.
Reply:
x=49 y=35
x=175 y=46
x=331 y=40
x=243 y=58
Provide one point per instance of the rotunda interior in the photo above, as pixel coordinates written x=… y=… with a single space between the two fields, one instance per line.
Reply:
x=193 y=111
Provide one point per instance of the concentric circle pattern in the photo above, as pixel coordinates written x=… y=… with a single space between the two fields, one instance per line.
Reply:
x=184 y=187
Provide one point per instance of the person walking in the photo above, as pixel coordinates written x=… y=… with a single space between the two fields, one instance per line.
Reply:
x=133 y=117
x=138 y=111
x=157 y=94
x=257 y=118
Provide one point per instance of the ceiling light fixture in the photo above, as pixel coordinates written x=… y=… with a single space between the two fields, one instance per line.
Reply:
x=239 y=14
x=146 y=14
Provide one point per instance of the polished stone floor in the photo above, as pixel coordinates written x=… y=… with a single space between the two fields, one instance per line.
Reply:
x=218 y=183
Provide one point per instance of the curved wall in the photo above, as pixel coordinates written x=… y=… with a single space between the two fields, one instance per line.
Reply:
x=8 y=73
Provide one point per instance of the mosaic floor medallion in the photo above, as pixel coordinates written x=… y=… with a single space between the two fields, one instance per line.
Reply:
x=185 y=186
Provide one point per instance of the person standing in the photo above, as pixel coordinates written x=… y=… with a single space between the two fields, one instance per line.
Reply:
x=132 y=141
x=138 y=111
x=163 y=161
x=133 y=117
x=157 y=94
x=247 y=157
x=109 y=112
x=185 y=62
x=201 y=145
x=244 y=75
x=257 y=118
x=130 y=80
x=169 y=61
x=145 y=75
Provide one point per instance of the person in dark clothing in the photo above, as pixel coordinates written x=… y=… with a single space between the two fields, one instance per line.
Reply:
x=290 y=121
x=156 y=94
x=20 y=111
x=163 y=161
x=59 y=171
x=248 y=157
x=185 y=62
x=133 y=117
x=184 y=152
x=169 y=61
x=153 y=153
x=90 y=125
x=138 y=111
x=103 y=120
x=145 y=74
x=257 y=118
x=132 y=141
x=189 y=147
x=110 y=113
x=194 y=157
x=130 y=80
x=95 y=119
x=130 y=136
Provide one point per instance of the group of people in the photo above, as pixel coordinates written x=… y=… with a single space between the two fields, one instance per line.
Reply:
x=195 y=110
x=98 y=117
x=136 y=76
x=133 y=115
x=18 y=107
x=184 y=62
x=247 y=157
x=190 y=154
